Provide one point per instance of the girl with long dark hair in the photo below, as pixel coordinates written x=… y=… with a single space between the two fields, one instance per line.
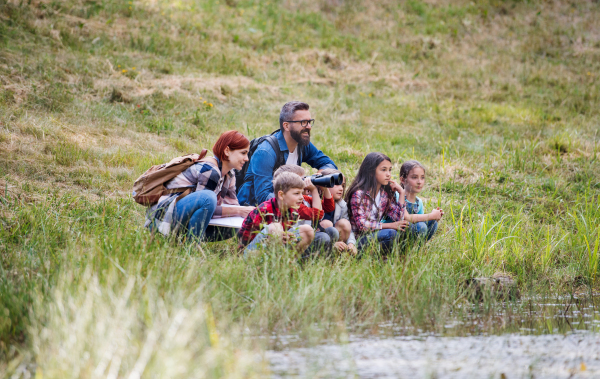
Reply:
x=371 y=198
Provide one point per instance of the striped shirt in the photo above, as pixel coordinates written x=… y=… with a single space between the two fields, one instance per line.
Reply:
x=201 y=176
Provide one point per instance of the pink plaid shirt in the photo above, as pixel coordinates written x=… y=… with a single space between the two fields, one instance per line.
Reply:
x=364 y=219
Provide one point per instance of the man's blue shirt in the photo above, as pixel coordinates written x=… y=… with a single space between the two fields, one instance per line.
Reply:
x=258 y=183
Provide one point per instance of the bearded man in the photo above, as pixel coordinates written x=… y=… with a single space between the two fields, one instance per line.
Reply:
x=293 y=138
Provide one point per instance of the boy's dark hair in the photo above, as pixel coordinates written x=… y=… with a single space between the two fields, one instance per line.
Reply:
x=365 y=179
x=286 y=181
x=288 y=110
x=408 y=166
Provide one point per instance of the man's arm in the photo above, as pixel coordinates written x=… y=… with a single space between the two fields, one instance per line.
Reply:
x=261 y=167
x=316 y=158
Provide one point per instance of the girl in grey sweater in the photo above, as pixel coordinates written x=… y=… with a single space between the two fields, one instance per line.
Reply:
x=338 y=221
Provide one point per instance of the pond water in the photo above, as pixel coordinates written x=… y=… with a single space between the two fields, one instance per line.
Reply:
x=550 y=340
x=575 y=355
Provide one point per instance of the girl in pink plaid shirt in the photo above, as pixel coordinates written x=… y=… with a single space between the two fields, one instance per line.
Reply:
x=371 y=197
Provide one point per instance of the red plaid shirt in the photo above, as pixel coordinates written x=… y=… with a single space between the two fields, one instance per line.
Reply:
x=265 y=214
x=364 y=219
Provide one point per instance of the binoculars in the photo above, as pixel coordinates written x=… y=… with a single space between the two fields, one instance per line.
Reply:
x=328 y=181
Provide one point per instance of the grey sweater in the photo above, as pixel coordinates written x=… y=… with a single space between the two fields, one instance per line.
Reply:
x=341 y=211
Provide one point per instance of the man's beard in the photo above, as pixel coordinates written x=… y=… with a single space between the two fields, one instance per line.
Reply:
x=297 y=136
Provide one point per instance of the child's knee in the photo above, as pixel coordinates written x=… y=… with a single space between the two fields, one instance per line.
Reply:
x=420 y=228
x=326 y=224
x=343 y=225
x=391 y=234
x=306 y=231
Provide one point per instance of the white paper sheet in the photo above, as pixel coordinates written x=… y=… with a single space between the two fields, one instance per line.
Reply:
x=228 y=222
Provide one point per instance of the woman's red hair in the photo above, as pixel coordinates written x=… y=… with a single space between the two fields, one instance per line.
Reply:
x=234 y=139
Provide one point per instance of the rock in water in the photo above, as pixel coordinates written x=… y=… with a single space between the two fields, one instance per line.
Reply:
x=500 y=286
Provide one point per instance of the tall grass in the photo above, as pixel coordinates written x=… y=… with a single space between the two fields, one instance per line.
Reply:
x=497 y=99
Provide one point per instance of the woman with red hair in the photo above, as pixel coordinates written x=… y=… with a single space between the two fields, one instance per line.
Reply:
x=213 y=183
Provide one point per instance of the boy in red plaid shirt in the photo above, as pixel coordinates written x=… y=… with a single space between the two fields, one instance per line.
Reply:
x=312 y=210
x=277 y=217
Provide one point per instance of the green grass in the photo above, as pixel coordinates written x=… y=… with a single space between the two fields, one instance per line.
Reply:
x=499 y=99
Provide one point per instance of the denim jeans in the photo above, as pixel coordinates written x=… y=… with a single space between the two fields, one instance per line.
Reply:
x=261 y=238
x=193 y=213
x=423 y=230
x=322 y=243
x=386 y=238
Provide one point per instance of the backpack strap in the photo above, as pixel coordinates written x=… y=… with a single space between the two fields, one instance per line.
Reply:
x=279 y=160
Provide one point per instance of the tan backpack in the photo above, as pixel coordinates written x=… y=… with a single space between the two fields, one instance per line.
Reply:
x=150 y=186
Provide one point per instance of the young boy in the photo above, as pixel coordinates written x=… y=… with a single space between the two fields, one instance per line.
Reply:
x=313 y=209
x=338 y=219
x=277 y=217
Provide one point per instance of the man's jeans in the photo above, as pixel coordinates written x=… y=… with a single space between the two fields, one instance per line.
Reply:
x=193 y=213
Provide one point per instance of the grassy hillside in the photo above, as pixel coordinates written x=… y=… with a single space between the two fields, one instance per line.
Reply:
x=499 y=99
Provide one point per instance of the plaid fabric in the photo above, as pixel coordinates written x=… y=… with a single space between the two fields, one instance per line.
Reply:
x=365 y=219
x=265 y=214
x=200 y=176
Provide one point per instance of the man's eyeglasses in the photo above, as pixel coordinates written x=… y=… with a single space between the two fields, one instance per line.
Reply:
x=304 y=123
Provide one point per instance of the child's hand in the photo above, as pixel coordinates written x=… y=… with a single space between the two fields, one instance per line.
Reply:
x=403 y=224
x=396 y=187
x=308 y=185
x=436 y=214
x=288 y=237
x=352 y=249
x=441 y=211
x=340 y=246
x=398 y=225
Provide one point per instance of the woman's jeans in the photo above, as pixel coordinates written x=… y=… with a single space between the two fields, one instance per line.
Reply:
x=193 y=213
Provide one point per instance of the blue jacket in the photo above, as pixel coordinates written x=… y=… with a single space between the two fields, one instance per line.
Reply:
x=258 y=183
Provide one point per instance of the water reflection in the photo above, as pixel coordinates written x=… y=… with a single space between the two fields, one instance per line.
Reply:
x=575 y=355
x=532 y=338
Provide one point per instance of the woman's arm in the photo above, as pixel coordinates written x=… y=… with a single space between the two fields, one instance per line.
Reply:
x=236 y=211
